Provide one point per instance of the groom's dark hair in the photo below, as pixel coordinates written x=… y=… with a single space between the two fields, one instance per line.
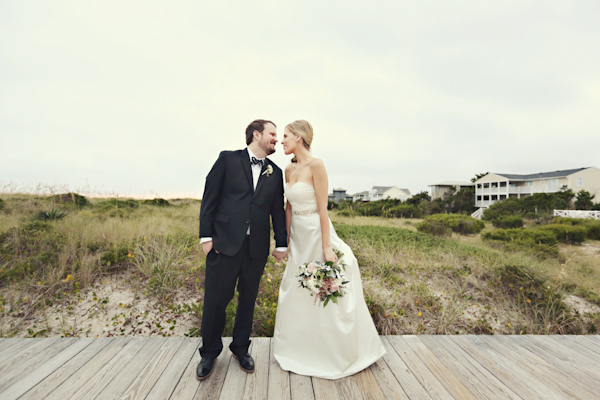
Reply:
x=256 y=125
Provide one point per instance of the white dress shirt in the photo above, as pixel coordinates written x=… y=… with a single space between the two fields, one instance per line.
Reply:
x=256 y=169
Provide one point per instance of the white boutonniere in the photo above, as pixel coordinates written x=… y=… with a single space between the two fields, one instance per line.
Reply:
x=268 y=171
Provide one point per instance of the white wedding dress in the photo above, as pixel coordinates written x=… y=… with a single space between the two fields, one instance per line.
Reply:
x=332 y=342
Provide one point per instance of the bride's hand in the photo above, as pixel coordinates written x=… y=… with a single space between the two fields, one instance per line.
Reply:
x=329 y=255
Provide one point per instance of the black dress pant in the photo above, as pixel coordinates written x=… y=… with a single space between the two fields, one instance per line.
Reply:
x=222 y=274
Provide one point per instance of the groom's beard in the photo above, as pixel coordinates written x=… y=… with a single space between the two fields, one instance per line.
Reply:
x=268 y=149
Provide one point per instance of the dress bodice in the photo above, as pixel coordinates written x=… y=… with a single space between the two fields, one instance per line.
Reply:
x=301 y=196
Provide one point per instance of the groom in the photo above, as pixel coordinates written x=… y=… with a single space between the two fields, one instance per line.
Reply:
x=242 y=195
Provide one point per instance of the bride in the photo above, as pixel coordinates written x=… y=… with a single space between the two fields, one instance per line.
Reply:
x=325 y=342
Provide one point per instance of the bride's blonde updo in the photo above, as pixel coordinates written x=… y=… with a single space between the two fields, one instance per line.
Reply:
x=303 y=129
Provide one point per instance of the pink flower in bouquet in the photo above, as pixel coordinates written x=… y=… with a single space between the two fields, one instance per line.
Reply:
x=311 y=267
x=334 y=287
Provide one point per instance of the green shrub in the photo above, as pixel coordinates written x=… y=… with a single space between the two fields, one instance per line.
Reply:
x=52 y=215
x=2 y=205
x=510 y=206
x=29 y=251
x=404 y=211
x=114 y=203
x=114 y=256
x=566 y=233
x=593 y=230
x=157 y=202
x=461 y=224
x=522 y=236
x=347 y=212
x=568 y=221
x=508 y=222
x=434 y=227
x=70 y=198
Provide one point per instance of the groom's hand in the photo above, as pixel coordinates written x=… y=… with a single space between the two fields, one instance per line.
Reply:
x=207 y=247
x=280 y=255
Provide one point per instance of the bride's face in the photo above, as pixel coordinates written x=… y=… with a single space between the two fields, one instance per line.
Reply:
x=289 y=142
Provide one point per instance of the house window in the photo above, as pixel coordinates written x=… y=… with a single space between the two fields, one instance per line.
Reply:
x=553 y=182
x=529 y=183
x=579 y=182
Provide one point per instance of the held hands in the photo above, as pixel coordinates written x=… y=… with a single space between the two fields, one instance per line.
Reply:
x=280 y=255
x=329 y=255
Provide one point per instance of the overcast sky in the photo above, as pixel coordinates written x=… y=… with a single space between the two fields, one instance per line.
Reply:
x=139 y=97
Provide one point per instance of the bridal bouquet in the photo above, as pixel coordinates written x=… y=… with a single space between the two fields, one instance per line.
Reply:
x=325 y=281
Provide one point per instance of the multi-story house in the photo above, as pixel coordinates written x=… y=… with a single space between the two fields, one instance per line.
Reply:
x=337 y=195
x=381 y=193
x=438 y=190
x=494 y=187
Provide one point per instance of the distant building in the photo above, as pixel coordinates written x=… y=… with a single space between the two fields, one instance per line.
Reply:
x=337 y=195
x=381 y=193
x=439 y=190
x=495 y=187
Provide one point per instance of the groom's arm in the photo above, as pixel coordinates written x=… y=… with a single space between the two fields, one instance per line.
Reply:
x=211 y=197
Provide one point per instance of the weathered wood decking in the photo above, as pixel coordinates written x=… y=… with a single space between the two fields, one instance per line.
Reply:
x=415 y=367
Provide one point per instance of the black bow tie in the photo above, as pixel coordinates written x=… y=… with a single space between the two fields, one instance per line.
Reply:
x=257 y=161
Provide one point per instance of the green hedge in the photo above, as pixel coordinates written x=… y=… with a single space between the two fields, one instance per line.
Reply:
x=591 y=226
x=439 y=224
x=522 y=236
x=566 y=233
x=508 y=222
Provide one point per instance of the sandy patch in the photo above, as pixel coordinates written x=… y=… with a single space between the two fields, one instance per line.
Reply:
x=113 y=306
x=580 y=305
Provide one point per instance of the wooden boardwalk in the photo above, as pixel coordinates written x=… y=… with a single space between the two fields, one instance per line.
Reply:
x=415 y=367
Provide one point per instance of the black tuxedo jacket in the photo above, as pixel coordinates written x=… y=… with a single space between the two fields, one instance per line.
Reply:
x=230 y=205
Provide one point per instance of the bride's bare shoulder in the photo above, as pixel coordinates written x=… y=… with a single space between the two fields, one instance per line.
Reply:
x=316 y=164
x=288 y=170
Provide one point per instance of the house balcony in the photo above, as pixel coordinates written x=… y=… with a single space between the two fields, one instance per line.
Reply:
x=517 y=190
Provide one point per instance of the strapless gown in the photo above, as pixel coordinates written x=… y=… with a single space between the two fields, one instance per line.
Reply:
x=332 y=342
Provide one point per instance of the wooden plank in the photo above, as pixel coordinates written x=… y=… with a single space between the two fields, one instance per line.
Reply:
x=279 y=380
x=564 y=353
x=144 y=382
x=301 y=387
x=387 y=382
x=173 y=373
x=410 y=384
x=7 y=344
x=35 y=376
x=22 y=352
x=211 y=387
x=523 y=382
x=589 y=378
x=16 y=371
x=43 y=389
x=482 y=383
x=453 y=385
x=543 y=371
x=367 y=385
x=257 y=383
x=325 y=389
x=235 y=379
x=187 y=386
x=563 y=350
x=581 y=342
x=348 y=388
x=98 y=378
x=133 y=369
x=426 y=378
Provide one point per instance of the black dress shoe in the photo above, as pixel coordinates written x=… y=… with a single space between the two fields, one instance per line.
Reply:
x=204 y=368
x=246 y=362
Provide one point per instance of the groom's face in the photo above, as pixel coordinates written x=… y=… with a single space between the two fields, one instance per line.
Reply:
x=268 y=139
